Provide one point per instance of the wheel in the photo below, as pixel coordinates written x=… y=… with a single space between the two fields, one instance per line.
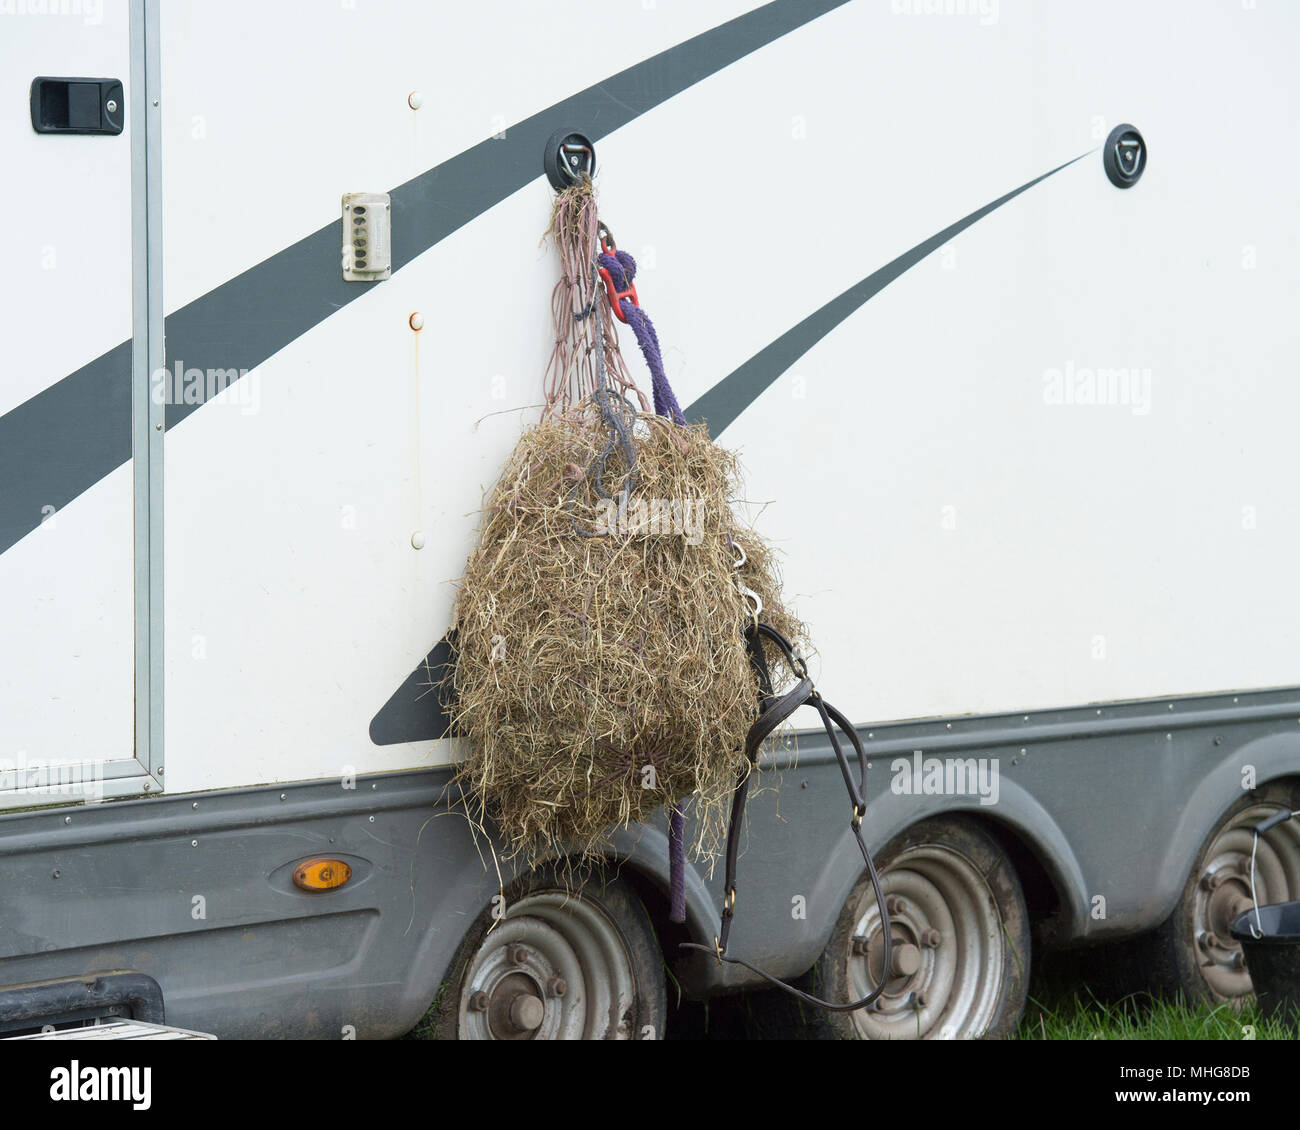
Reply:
x=960 y=935
x=576 y=961
x=1192 y=952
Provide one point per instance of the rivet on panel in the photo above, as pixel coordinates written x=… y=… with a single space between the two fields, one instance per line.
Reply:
x=417 y=321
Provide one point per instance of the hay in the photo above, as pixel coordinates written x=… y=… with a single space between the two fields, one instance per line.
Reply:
x=597 y=679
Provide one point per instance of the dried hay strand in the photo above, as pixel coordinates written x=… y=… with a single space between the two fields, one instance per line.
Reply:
x=588 y=666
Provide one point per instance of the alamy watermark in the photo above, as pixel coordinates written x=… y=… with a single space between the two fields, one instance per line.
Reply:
x=91 y=12
x=986 y=11
x=1077 y=385
x=179 y=385
x=37 y=778
x=946 y=776
x=658 y=517
x=87 y=1083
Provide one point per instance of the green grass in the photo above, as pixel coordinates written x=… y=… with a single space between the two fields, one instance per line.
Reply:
x=1079 y=1015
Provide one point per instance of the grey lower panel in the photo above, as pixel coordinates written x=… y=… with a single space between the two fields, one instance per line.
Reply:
x=195 y=891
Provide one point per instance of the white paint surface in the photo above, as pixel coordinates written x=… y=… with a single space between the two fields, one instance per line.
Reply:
x=957 y=544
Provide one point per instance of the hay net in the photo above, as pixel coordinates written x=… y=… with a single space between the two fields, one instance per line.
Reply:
x=600 y=670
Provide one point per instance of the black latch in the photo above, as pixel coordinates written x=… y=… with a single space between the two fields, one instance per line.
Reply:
x=77 y=105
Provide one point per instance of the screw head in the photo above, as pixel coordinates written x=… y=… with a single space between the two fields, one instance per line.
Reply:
x=111 y=105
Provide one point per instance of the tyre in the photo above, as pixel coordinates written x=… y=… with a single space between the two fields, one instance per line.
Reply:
x=566 y=961
x=960 y=934
x=1192 y=953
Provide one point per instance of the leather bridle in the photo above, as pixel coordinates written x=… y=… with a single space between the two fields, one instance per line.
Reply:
x=775 y=709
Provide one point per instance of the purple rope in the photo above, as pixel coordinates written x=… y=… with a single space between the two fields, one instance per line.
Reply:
x=622 y=270
x=676 y=865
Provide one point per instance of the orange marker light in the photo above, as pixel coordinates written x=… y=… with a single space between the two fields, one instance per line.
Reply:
x=321 y=874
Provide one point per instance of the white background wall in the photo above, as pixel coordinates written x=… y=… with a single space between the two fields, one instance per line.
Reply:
x=971 y=548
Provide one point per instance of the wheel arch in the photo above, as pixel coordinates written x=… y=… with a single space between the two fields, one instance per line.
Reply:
x=1044 y=862
x=1273 y=758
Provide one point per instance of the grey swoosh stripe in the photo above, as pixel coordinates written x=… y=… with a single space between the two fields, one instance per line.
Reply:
x=65 y=439
x=733 y=394
x=419 y=710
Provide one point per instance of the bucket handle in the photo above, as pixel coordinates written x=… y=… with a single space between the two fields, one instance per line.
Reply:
x=1267 y=825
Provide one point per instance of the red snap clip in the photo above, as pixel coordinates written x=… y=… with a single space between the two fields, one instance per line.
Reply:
x=616 y=296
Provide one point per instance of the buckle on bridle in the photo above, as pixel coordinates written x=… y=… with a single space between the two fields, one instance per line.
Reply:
x=858 y=813
x=729 y=902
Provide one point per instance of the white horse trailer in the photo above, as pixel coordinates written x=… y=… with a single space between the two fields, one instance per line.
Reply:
x=996 y=298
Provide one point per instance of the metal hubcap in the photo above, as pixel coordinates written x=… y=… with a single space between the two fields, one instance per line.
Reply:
x=1223 y=893
x=947 y=965
x=554 y=968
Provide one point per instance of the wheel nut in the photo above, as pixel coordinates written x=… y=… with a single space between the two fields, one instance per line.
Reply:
x=859 y=946
x=517 y=955
x=922 y=1000
x=894 y=905
x=479 y=1001
x=558 y=986
x=930 y=938
x=1212 y=880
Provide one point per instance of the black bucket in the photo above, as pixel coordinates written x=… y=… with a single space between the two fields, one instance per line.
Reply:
x=1270 y=939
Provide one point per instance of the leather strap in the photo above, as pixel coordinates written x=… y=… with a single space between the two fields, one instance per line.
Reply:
x=773 y=711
